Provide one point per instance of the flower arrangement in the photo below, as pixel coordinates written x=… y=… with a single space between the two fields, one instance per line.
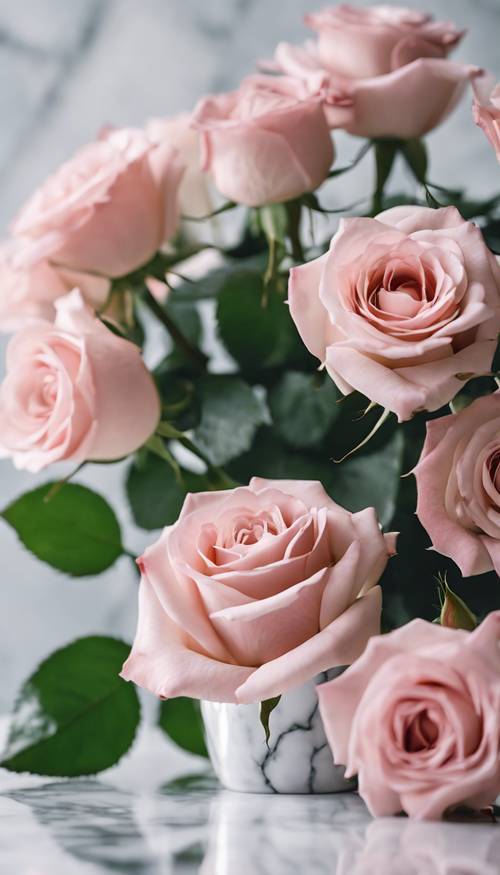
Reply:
x=357 y=399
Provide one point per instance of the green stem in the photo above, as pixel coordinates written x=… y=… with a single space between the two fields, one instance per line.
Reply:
x=294 y=211
x=272 y=261
x=195 y=355
x=223 y=479
x=385 y=155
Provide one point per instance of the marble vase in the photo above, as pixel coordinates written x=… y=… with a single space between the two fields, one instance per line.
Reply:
x=297 y=758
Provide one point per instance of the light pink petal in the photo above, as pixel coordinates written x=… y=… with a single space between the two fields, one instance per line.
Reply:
x=260 y=631
x=386 y=387
x=339 y=698
x=164 y=662
x=179 y=597
x=339 y=643
x=306 y=308
x=311 y=492
x=410 y=101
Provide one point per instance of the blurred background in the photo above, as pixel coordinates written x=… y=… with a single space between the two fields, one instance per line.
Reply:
x=66 y=68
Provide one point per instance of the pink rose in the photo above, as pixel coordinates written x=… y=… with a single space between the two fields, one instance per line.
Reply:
x=458 y=482
x=74 y=391
x=107 y=210
x=382 y=70
x=265 y=143
x=360 y=43
x=29 y=290
x=400 y=305
x=195 y=195
x=405 y=103
x=254 y=591
x=417 y=718
x=486 y=109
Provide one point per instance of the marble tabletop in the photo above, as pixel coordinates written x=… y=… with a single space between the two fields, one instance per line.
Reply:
x=191 y=825
x=161 y=812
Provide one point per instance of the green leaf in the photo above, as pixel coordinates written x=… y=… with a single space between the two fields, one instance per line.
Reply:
x=186 y=317
x=180 y=719
x=370 y=480
x=74 y=715
x=230 y=416
x=266 y=709
x=259 y=334
x=365 y=480
x=154 y=492
x=75 y=530
x=303 y=408
x=491 y=233
x=385 y=155
x=415 y=155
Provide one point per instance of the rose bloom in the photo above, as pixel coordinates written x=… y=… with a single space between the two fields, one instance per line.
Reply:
x=107 y=210
x=195 y=195
x=417 y=718
x=458 y=482
x=29 y=290
x=74 y=391
x=254 y=591
x=384 y=69
x=399 y=305
x=265 y=143
x=486 y=109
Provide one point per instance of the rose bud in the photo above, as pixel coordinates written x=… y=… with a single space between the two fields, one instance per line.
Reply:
x=364 y=42
x=74 y=391
x=265 y=143
x=383 y=70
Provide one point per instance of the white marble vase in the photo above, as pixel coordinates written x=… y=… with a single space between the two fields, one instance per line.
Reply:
x=298 y=758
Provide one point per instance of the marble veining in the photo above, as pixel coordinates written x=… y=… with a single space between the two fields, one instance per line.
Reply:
x=187 y=826
x=296 y=759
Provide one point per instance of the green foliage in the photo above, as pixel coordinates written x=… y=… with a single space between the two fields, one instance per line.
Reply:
x=180 y=719
x=366 y=479
x=415 y=154
x=74 y=715
x=154 y=491
x=257 y=329
x=71 y=528
x=230 y=415
x=303 y=407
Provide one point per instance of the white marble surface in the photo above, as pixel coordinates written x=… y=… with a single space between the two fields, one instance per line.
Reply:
x=146 y=817
x=67 y=67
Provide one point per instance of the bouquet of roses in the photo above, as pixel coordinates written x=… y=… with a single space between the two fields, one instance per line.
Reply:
x=350 y=389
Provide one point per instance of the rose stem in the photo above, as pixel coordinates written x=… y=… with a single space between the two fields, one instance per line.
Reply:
x=194 y=354
x=293 y=209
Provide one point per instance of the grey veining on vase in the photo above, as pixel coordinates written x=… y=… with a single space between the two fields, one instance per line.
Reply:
x=297 y=758
x=66 y=68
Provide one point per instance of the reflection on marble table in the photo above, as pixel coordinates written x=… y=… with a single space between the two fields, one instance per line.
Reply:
x=190 y=825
